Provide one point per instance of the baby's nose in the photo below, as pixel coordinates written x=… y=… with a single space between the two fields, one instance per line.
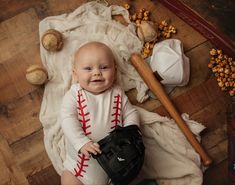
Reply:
x=97 y=72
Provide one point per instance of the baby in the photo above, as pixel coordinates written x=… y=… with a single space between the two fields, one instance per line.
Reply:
x=93 y=107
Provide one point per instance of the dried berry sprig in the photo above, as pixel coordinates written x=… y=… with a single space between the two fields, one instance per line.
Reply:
x=223 y=68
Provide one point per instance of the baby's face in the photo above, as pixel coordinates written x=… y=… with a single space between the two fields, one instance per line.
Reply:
x=94 y=67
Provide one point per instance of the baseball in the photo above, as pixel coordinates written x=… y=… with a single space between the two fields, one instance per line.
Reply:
x=36 y=74
x=147 y=31
x=52 y=40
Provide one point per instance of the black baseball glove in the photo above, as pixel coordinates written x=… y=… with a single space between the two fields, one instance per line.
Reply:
x=122 y=154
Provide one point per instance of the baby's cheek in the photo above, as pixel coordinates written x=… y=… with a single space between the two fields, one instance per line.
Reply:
x=110 y=74
x=85 y=77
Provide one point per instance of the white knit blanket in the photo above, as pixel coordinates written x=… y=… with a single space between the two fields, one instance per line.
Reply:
x=169 y=157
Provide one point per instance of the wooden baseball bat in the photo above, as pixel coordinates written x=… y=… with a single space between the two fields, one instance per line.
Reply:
x=154 y=85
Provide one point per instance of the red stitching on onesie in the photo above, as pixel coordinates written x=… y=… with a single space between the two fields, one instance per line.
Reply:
x=82 y=114
x=85 y=126
x=81 y=165
x=117 y=113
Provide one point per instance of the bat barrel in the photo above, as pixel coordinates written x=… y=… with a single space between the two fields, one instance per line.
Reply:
x=154 y=85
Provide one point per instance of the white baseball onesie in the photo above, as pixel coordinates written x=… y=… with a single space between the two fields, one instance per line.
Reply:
x=87 y=117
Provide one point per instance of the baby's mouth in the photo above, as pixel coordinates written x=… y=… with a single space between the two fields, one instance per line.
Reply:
x=97 y=80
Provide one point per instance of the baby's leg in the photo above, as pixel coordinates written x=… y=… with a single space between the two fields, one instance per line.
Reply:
x=67 y=178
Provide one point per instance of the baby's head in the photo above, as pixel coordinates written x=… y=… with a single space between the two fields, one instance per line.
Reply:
x=94 y=67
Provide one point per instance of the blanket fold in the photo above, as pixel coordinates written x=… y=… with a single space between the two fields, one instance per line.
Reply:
x=169 y=156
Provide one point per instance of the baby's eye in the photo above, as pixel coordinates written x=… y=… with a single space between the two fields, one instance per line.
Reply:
x=87 y=68
x=104 y=67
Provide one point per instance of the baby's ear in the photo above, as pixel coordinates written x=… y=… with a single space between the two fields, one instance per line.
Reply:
x=115 y=65
x=74 y=76
x=115 y=73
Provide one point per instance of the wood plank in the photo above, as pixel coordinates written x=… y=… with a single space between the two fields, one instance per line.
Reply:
x=219 y=152
x=10 y=171
x=8 y=91
x=216 y=144
x=188 y=36
x=198 y=97
x=211 y=139
x=30 y=153
x=14 y=74
x=214 y=115
x=217 y=175
x=223 y=148
x=215 y=11
x=20 y=118
x=10 y=8
x=47 y=176
x=21 y=35
x=57 y=7
x=42 y=9
x=19 y=48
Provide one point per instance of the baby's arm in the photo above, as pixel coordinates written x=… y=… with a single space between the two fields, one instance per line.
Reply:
x=72 y=128
x=130 y=114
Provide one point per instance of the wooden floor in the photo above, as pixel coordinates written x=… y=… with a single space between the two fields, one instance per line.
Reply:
x=23 y=159
x=219 y=13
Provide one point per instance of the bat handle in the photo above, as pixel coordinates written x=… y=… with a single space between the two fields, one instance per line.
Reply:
x=154 y=85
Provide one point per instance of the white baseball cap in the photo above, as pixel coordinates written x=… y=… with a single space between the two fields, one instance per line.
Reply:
x=169 y=61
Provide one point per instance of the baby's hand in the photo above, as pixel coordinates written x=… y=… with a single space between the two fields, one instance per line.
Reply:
x=90 y=148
